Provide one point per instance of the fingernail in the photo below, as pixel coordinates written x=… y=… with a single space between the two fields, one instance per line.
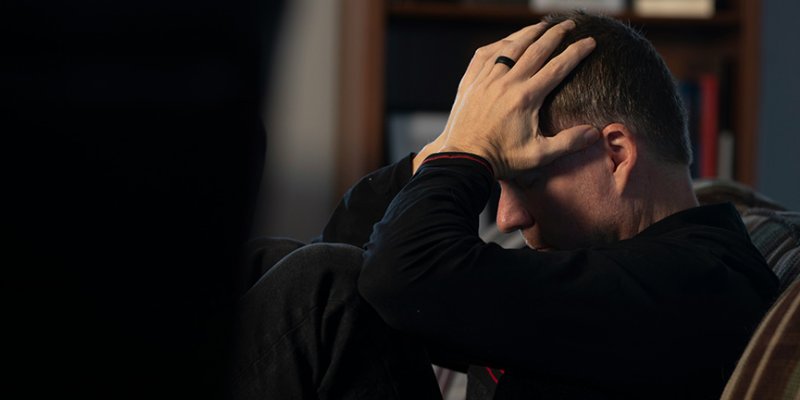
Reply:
x=591 y=134
x=569 y=24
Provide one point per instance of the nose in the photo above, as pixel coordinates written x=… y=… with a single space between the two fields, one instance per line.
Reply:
x=511 y=213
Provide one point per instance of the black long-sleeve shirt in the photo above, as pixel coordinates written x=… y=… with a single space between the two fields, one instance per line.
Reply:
x=665 y=313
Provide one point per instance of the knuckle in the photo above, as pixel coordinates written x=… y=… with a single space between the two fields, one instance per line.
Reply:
x=523 y=102
x=558 y=69
x=502 y=86
x=483 y=51
x=518 y=99
x=513 y=50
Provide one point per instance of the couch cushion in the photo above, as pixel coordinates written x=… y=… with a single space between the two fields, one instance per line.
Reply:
x=711 y=191
x=773 y=230
x=770 y=365
x=776 y=234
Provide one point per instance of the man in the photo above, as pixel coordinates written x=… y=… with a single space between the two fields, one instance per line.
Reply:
x=628 y=289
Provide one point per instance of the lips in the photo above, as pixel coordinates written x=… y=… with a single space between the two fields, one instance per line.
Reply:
x=537 y=246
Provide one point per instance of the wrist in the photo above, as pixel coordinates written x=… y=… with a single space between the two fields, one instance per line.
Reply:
x=420 y=157
x=474 y=150
x=459 y=155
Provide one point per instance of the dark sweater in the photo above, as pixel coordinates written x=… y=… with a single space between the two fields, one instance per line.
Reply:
x=663 y=314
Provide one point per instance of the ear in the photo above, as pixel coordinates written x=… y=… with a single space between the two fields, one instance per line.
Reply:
x=622 y=150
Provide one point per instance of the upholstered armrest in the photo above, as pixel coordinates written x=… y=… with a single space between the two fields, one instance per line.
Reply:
x=770 y=365
x=773 y=230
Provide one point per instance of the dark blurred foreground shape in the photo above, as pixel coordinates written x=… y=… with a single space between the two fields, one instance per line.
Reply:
x=132 y=151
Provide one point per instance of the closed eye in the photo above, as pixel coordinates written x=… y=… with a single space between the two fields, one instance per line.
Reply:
x=528 y=180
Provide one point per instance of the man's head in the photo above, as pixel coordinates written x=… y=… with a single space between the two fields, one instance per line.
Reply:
x=605 y=193
x=624 y=80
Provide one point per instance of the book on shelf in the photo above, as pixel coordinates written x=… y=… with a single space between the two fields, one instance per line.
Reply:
x=708 y=124
x=674 y=8
x=593 y=6
x=725 y=155
x=713 y=151
x=726 y=140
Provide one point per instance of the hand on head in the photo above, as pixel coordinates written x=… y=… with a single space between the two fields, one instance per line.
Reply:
x=495 y=113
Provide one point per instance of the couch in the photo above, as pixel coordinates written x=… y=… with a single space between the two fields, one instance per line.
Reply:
x=770 y=365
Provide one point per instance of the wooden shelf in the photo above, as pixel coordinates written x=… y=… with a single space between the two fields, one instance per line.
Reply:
x=515 y=13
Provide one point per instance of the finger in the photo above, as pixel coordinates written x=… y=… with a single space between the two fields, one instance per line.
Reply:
x=478 y=62
x=536 y=54
x=566 y=142
x=484 y=58
x=538 y=27
x=544 y=81
x=514 y=47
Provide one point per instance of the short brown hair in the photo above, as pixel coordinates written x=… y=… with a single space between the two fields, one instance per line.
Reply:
x=623 y=80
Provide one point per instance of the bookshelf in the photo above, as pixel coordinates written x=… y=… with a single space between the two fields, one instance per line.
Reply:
x=406 y=56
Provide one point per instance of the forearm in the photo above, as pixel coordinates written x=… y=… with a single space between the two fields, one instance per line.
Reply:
x=427 y=273
x=421 y=256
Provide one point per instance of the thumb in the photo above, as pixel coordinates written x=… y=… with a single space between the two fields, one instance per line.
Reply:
x=568 y=141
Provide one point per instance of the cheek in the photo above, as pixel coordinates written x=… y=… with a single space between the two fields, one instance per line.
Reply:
x=576 y=193
x=580 y=183
x=569 y=201
x=556 y=212
x=571 y=207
